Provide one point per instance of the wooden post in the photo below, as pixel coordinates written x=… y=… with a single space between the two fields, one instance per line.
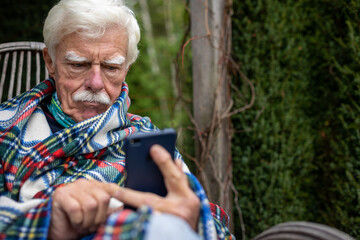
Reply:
x=211 y=98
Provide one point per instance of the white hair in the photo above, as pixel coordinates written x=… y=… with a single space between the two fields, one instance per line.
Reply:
x=90 y=19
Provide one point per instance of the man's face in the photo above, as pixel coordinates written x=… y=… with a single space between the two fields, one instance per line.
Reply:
x=89 y=73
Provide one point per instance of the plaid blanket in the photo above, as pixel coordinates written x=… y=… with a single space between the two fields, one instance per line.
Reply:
x=34 y=162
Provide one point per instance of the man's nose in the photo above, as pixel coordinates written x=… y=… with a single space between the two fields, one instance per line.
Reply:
x=94 y=81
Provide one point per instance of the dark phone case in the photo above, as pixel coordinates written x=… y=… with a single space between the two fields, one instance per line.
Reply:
x=142 y=173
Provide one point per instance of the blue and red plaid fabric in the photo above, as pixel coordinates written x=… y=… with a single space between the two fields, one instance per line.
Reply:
x=34 y=162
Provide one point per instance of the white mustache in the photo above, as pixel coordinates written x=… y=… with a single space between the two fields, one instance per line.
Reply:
x=86 y=96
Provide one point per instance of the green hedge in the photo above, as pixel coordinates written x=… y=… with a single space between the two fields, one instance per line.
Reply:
x=296 y=151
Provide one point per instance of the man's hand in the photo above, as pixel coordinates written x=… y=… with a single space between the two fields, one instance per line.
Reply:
x=180 y=200
x=79 y=208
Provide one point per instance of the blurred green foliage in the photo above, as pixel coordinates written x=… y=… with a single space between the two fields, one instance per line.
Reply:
x=154 y=94
x=296 y=150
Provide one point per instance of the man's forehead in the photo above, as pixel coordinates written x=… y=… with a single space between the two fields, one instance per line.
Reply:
x=112 y=43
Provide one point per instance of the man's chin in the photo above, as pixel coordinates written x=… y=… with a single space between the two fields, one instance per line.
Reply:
x=89 y=114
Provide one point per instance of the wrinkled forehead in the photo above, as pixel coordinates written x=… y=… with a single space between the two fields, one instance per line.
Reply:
x=112 y=46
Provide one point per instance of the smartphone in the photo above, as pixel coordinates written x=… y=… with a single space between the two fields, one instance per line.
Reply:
x=142 y=174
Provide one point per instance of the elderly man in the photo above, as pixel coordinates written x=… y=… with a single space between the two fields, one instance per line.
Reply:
x=61 y=142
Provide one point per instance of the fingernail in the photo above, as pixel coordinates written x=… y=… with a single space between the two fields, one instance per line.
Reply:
x=155 y=149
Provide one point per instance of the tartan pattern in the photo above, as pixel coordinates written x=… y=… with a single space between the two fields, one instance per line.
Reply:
x=131 y=225
x=34 y=162
x=219 y=213
x=33 y=224
x=222 y=220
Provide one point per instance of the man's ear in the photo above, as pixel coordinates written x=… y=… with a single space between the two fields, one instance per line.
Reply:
x=48 y=62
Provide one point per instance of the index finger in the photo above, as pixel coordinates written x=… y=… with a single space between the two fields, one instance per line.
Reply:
x=110 y=188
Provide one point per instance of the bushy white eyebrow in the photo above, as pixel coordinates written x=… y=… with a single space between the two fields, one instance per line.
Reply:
x=73 y=57
x=118 y=60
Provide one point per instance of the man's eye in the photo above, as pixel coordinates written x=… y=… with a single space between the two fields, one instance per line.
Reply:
x=111 y=68
x=77 y=65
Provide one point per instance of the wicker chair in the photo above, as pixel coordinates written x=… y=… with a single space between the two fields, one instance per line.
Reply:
x=15 y=53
